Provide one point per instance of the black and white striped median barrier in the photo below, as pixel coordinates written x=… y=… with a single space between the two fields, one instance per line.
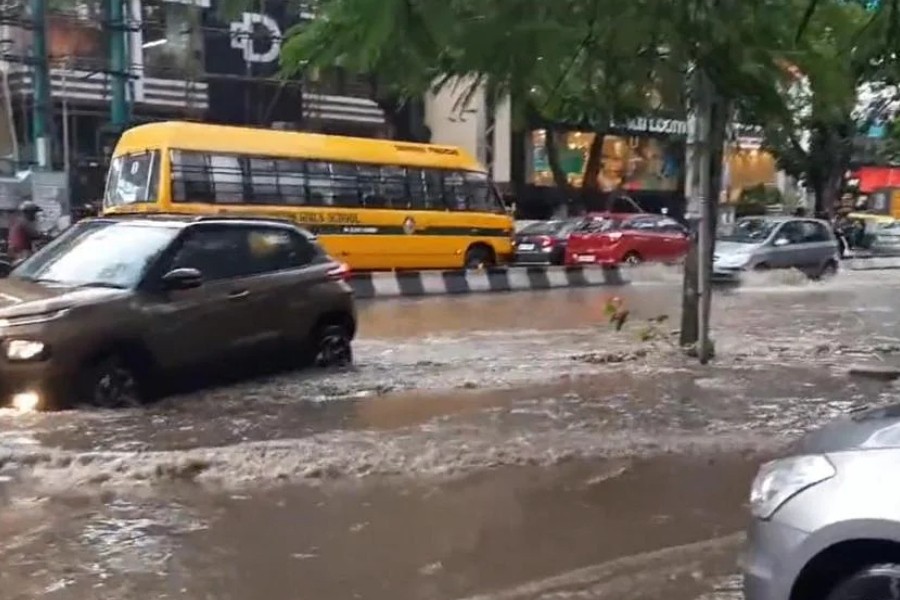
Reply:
x=436 y=283
x=875 y=263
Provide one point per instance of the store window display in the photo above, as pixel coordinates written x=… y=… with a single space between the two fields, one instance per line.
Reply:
x=634 y=163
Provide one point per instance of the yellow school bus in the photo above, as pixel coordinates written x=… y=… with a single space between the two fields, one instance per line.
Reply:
x=374 y=204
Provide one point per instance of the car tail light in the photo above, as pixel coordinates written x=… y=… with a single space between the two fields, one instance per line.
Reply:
x=614 y=236
x=339 y=273
x=546 y=241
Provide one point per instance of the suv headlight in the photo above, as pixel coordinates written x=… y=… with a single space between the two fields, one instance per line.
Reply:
x=780 y=480
x=22 y=350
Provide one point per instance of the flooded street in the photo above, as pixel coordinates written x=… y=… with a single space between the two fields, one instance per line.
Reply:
x=486 y=446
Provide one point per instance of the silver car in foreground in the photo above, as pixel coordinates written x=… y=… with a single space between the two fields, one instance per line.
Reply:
x=761 y=243
x=826 y=519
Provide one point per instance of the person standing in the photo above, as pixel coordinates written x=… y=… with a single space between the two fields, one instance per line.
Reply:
x=24 y=233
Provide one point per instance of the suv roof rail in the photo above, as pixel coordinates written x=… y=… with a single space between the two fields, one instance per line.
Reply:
x=237 y=217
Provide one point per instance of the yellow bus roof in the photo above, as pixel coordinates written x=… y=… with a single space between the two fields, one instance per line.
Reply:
x=291 y=144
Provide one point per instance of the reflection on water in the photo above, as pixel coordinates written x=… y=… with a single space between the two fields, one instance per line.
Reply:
x=409 y=540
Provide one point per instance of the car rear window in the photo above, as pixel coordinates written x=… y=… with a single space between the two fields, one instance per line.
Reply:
x=544 y=228
x=599 y=225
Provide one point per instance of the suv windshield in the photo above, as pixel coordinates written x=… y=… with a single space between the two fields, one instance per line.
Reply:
x=132 y=178
x=98 y=253
x=750 y=231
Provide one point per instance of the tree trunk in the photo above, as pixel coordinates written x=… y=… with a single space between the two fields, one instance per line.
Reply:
x=559 y=175
x=829 y=158
x=589 y=184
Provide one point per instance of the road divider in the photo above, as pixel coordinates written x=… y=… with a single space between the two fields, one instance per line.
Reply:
x=875 y=263
x=512 y=279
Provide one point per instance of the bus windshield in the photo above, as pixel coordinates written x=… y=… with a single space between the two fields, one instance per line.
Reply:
x=132 y=178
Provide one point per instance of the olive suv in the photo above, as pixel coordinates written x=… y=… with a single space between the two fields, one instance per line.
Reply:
x=114 y=305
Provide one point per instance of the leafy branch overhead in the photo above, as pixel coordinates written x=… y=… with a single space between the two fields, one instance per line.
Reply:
x=569 y=60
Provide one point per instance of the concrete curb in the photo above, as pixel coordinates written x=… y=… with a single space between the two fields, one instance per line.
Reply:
x=513 y=279
x=882 y=372
x=879 y=263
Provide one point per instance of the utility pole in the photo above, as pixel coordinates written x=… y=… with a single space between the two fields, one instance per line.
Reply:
x=706 y=232
x=41 y=78
x=115 y=18
x=708 y=138
x=695 y=192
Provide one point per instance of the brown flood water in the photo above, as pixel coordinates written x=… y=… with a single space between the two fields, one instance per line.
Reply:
x=488 y=533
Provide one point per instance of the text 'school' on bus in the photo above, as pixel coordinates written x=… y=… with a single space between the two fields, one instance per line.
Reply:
x=375 y=204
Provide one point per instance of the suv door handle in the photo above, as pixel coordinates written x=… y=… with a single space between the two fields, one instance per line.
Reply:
x=238 y=294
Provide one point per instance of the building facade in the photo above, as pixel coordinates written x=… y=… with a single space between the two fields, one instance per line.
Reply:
x=185 y=62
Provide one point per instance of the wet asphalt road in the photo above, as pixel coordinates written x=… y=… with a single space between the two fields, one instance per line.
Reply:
x=498 y=446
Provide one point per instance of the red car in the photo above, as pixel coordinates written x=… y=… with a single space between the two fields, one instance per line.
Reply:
x=613 y=238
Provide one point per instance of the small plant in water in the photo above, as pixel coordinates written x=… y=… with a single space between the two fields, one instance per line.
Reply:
x=651 y=330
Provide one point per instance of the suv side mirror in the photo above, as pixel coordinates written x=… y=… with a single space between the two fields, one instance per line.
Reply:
x=182 y=279
x=781 y=242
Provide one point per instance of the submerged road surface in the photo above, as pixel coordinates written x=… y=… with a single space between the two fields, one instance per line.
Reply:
x=495 y=446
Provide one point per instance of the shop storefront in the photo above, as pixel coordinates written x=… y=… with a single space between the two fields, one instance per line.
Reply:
x=630 y=163
x=747 y=165
x=642 y=159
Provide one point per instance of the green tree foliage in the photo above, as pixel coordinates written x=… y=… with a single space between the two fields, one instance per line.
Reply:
x=567 y=61
x=788 y=66
x=837 y=46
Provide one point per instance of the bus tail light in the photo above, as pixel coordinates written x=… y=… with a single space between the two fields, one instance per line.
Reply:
x=339 y=273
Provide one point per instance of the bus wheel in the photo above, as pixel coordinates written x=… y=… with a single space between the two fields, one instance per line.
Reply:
x=479 y=256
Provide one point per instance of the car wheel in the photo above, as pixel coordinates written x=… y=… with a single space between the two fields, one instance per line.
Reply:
x=558 y=257
x=877 y=582
x=762 y=267
x=333 y=347
x=632 y=259
x=479 y=257
x=111 y=383
x=829 y=270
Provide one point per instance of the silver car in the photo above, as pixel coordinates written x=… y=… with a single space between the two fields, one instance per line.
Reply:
x=760 y=243
x=826 y=520
x=886 y=239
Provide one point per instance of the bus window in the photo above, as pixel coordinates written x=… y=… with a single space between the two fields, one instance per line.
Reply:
x=455 y=192
x=132 y=178
x=264 y=188
x=344 y=184
x=190 y=177
x=228 y=179
x=481 y=195
x=415 y=181
x=434 y=190
x=370 y=186
x=393 y=186
x=319 y=191
x=292 y=181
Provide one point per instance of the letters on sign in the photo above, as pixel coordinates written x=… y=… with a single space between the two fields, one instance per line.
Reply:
x=651 y=125
x=328 y=218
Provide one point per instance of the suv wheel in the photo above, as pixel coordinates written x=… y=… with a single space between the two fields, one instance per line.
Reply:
x=830 y=269
x=110 y=383
x=332 y=346
x=876 y=582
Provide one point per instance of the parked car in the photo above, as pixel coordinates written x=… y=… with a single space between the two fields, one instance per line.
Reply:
x=111 y=304
x=544 y=242
x=614 y=238
x=885 y=239
x=762 y=243
x=826 y=518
